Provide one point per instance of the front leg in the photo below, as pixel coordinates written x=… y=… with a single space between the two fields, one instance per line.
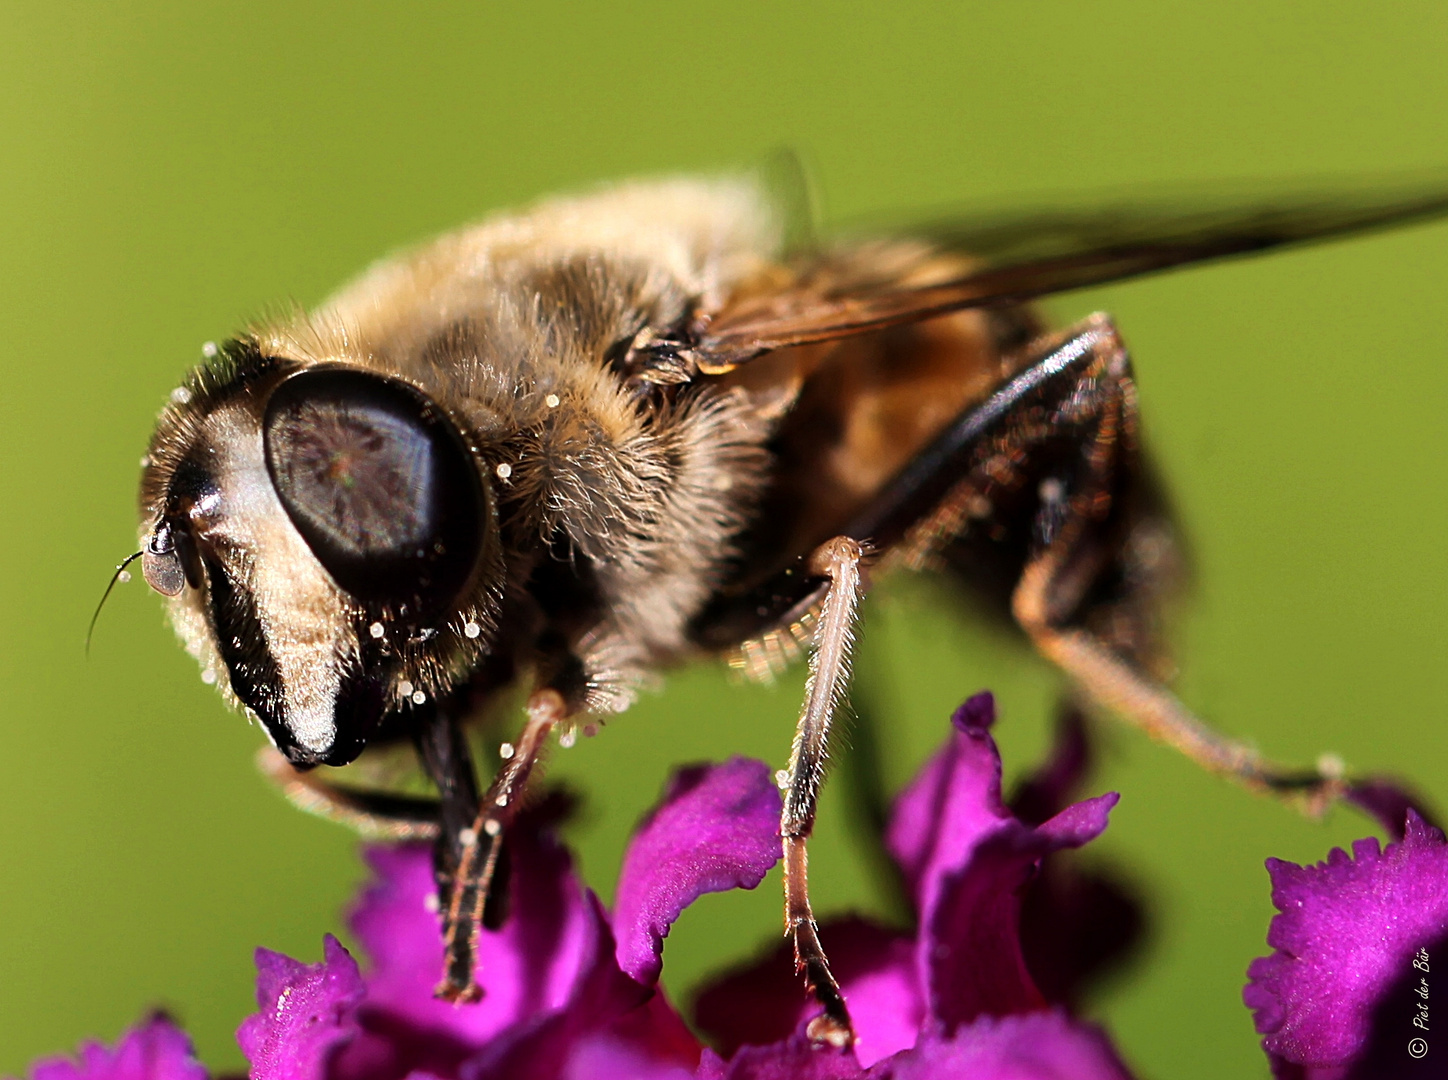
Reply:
x=479 y=844
x=467 y=832
x=443 y=750
x=829 y=673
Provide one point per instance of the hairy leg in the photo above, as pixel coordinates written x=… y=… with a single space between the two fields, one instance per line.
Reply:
x=839 y=562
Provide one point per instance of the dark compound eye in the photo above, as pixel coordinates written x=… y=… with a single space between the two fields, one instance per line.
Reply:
x=381 y=486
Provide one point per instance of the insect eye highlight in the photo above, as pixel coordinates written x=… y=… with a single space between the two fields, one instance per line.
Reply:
x=380 y=485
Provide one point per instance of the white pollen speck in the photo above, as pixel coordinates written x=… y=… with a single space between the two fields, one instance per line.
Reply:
x=209 y=350
x=1332 y=766
x=124 y=576
x=180 y=395
x=1051 y=490
x=504 y=470
x=506 y=751
x=405 y=688
x=568 y=737
x=146 y=461
x=501 y=800
x=418 y=697
x=467 y=838
x=208 y=676
x=552 y=401
x=376 y=630
x=471 y=629
x=492 y=827
x=431 y=903
x=781 y=779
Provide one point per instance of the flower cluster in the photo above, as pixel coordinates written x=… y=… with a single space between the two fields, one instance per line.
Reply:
x=572 y=989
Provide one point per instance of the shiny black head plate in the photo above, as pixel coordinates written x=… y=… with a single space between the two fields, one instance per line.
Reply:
x=381 y=485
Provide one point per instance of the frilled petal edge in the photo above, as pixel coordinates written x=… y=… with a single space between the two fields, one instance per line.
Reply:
x=154 y=1050
x=1347 y=929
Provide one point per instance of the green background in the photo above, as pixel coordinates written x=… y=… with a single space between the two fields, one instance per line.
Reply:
x=169 y=169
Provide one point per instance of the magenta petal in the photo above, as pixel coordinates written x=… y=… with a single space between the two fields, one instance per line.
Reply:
x=156 y=1050
x=880 y=984
x=764 y=1003
x=540 y=1047
x=966 y=859
x=657 y=1031
x=716 y=828
x=526 y=968
x=1389 y=800
x=954 y=801
x=1079 y=923
x=1038 y=1046
x=970 y=946
x=307 y=1011
x=1047 y=790
x=792 y=1059
x=599 y=1058
x=602 y=1056
x=549 y=976
x=1348 y=928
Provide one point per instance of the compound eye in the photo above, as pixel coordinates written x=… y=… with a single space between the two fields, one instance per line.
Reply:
x=380 y=484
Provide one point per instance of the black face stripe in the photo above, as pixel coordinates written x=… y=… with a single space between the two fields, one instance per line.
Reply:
x=257 y=682
x=255 y=678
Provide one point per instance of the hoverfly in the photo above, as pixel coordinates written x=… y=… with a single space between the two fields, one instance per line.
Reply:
x=570 y=446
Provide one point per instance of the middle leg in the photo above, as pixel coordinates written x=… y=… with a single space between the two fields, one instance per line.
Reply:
x=838 y=561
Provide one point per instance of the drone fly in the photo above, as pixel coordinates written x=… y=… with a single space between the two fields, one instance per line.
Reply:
x=571 y=446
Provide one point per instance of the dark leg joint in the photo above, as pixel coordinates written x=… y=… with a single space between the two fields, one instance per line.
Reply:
x=832 y=1027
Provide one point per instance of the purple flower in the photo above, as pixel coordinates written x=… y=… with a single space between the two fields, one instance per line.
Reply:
x=572 y=991
x=561 y=976
x=306 y=1011
x=155 y=1050
x=966 y=860
x=1354 y=943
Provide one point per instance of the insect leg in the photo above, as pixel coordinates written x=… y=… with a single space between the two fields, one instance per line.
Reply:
x=839 y=562
x=443 y=750
x=1033 y=495
x=481 y=843
x=1076 y=537
x=374 y=815
x=1111 y=681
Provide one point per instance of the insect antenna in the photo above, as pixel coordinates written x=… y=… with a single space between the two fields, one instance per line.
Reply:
x=119 y=575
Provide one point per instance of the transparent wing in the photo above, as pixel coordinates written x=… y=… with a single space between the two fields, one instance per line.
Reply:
x=1021 y=255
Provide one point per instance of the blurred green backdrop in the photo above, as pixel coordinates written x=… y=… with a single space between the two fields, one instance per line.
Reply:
x=172 y=168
